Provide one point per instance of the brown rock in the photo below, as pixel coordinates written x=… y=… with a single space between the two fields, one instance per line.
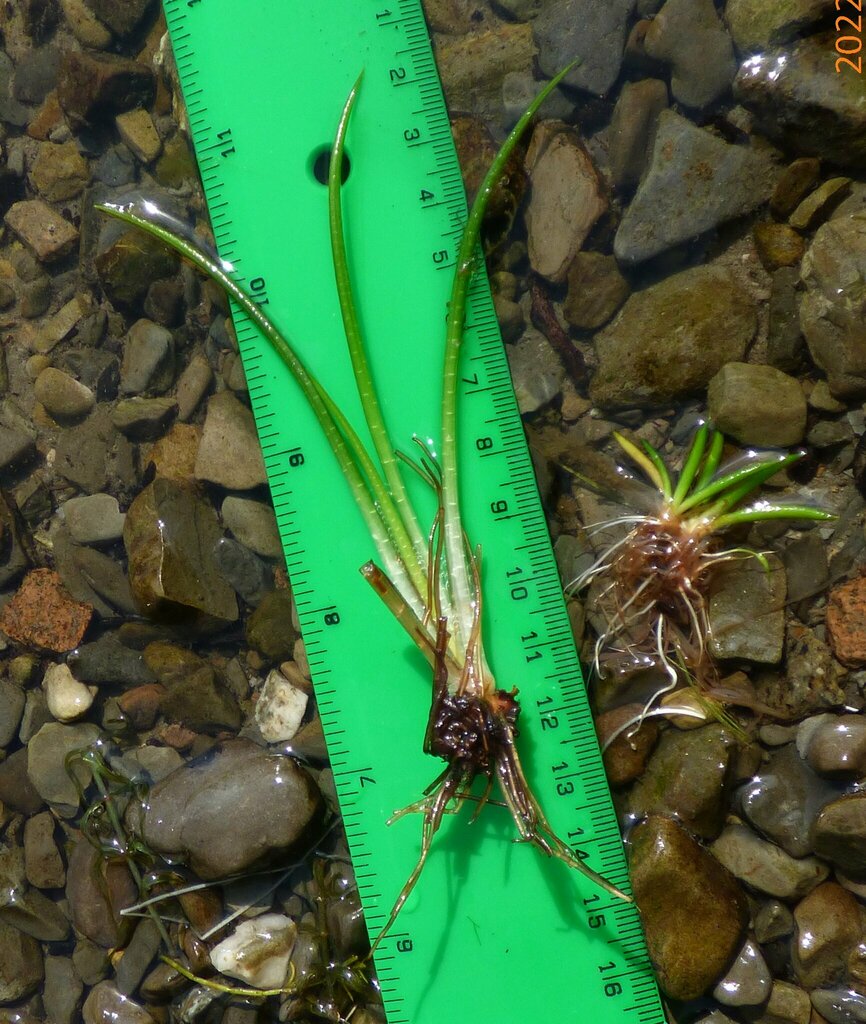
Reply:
x=846 y=622
x=632 y=129
x=43 y=615
x=778 y=245
x=173 y=456
x=42 y=860
x=92 y=87
x=596 y=290
x=788 y=1004
x=818 y=206
x=59 y=171
x=170 y=533
x=626 y=757
x=828 y=930
x=141 y=705
x=693 y=910
x=21 y=967
x=567 y=199
x=97 y=891
x=48 y=117
x=796 y=182
x=42 y=229
x=839 y=834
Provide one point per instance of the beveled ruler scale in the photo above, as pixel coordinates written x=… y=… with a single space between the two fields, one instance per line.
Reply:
x=494 y=931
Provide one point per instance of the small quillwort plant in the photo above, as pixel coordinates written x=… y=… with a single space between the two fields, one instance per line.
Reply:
x=430 y=581
x=651 y=586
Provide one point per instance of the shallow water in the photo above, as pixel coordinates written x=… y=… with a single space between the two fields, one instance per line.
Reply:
x=689 y=244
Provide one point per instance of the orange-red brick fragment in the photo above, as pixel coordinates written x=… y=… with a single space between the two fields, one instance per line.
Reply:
x=43 y=615
x=846 y=622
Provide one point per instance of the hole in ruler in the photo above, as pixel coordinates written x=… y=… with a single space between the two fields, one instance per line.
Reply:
x=321 y=161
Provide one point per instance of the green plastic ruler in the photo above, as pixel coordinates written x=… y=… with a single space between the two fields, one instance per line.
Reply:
x=494 y=931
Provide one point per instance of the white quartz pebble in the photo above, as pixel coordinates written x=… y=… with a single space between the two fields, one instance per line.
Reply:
x=67 y=698
x=280 y=708
x=258 y=951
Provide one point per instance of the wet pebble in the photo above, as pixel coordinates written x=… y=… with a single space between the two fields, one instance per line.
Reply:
x=689 y=36
x=764 y=866
x=806 y=568
x=677 y=883
x=538 y=372
x=840 y=1005
x=756 y=25
x=21 y=966
x=595 y=33
x=818 y=205
x=268 y=629
x=106 y=1005
x=773 y=920
x=97 y=890
x=686 y=778
x=59 y=172
x=626 y=757
x=42 y=229
x=229 y=453
x=778 y=245
x=747 y=611
x=108 y=660
x=129 y=265
x=834 y=745
x=193 y=384
x=93 y=519
x=748 y=981
x=143 y=419
x=46 y=756
x=11 y=709
x=247 y=574
x=596 y=290
x=788 y=1004
x=258 y=951
x=799 y=100
x=173 y=455
x=138 y=132
x=473 y=66
x=566 y=201
x=33 y=913
x=796 y=181
x=670 y=339
x=169 y=535
x=139 y=954
x=839 y=833
x=632 y=128
x=148 y=359
x=827 y=931
x=280 y=708
x=725 y=181
x=63 y=990
x=269 y=799
x=42 y=861
x=68 y=699
x=253 y=523
x=782 y=799
x=757 y=405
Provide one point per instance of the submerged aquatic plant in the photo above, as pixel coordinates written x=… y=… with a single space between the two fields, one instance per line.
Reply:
x=430 y=581
x=651 y=586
